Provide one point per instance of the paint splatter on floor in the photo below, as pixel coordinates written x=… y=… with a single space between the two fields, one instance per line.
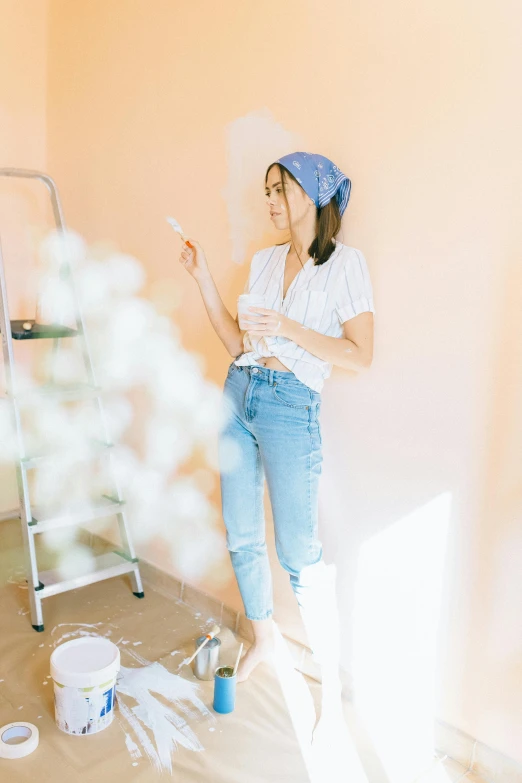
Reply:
x=151 y=727
x=131 y=746
x=169 y=726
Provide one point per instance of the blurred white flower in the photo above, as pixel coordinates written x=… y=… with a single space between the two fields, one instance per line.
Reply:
x=61 y=247
x=124 y=274
x=59 y=539
x=55 y=302
x=159 y=408
x=225 y=456
x=76 y=561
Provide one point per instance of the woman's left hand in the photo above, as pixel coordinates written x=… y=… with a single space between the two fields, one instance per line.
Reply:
x=268 y=322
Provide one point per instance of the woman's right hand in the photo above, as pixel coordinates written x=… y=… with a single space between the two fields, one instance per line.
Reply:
x=193 y=259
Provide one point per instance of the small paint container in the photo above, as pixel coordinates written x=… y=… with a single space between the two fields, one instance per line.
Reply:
x=224 y=689
x=207 y=659
x=84 y=673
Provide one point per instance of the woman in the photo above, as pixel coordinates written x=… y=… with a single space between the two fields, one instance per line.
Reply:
x=319 y=313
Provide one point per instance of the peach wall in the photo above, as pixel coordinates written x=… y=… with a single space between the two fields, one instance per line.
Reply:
x=415 y=102
x=23 y=140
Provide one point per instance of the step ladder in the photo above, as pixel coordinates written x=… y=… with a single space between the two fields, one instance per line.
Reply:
x=44 y=584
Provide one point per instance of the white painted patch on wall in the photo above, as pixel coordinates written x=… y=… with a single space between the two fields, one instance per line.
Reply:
x=253 y=142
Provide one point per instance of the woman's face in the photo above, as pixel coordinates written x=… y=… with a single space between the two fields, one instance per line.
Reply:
x=299 y=203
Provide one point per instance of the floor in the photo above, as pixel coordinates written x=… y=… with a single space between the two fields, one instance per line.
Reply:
x=266 y=738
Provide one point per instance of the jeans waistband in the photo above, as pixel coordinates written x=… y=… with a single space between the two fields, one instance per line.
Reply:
x=270 y=375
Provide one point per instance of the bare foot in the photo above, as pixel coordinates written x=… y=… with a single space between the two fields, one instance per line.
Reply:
x=258 y=653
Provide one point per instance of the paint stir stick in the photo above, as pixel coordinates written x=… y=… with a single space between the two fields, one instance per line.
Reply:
x=210 y=635
x=237 y=660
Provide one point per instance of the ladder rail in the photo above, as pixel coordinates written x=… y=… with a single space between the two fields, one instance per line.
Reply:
x=21 y=477
x=38 y=590
x=48 y=182
x=80 y=322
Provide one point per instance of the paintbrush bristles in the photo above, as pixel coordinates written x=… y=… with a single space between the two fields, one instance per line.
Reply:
x=176 y=226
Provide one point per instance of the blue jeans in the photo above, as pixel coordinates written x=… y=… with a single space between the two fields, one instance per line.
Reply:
x=274 y=421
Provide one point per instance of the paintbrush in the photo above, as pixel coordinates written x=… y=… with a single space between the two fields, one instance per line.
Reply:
x=237 y=660
x=176 y=226
x=210 y=635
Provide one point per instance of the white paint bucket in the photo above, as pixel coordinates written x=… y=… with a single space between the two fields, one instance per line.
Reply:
x=84 y=672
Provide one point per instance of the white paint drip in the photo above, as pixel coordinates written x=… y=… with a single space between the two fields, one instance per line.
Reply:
x=135 y=644
x=78 y=633
x=140 y=733
x=133 y=749
x=184 y=662
x=137 y=657
x=77 y=625
x=168 y=728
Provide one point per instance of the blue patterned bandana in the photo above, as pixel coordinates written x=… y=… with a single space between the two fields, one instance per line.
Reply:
x=319 y=178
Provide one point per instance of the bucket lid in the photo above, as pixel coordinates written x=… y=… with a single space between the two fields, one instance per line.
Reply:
x=84 y=663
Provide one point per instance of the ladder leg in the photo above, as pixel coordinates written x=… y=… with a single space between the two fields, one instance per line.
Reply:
x=128 y=546
x=137 y=586
x=31 y=568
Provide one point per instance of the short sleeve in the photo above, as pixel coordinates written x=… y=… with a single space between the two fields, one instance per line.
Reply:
x=354 y=290
x=252 y=275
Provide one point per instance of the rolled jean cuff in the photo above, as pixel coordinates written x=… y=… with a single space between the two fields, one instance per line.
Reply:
x=256 y=619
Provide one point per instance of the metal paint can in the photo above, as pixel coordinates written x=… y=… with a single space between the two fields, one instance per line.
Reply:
x=224 y=689
x=207 y=659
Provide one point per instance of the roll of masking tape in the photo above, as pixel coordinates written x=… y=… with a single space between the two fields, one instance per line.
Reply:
x=18 y=740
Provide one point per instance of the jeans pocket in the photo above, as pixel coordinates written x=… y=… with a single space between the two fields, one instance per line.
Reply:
x=292 y=395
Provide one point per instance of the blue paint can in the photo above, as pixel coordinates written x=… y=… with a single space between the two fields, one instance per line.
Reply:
x=224 y=689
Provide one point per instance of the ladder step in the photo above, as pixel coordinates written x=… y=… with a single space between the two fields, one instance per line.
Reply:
x=97 y=448
x=39 y=331
x=60 y=393
x=103 y=508
x=106 y=566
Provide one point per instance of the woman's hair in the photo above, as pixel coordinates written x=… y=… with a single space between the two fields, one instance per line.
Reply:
x=328 y=219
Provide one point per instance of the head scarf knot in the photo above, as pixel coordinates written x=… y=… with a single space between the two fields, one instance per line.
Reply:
x=319 y=177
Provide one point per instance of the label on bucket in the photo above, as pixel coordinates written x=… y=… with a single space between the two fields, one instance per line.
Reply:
x=83 y=712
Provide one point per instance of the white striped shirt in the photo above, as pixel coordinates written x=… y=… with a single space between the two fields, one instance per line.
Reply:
x=320 y=297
